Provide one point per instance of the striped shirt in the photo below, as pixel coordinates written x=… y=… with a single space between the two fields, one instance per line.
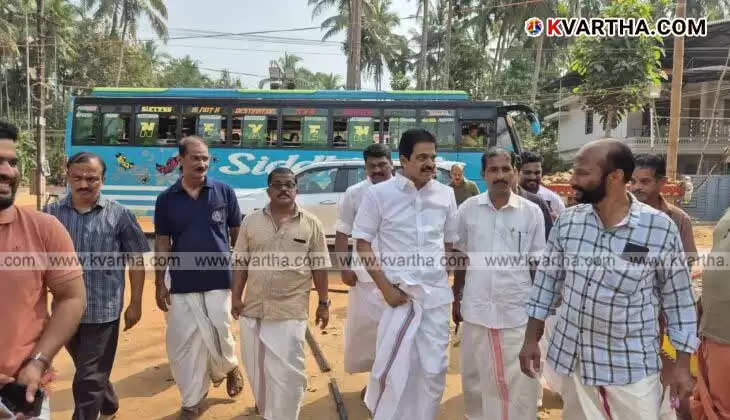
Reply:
x=106 y=230
x=608 y=321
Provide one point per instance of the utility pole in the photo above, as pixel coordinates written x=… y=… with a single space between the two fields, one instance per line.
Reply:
x=27 y=67
x=447 y=67
x=355 y=32
x=536 y=72
x=41 y=121
x=676 y=99
x=424 y=48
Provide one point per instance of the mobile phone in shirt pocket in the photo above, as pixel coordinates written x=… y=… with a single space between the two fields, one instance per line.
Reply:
x=630 y=268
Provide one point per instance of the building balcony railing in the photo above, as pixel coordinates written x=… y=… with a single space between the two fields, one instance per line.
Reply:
x=693 y=134
x=688 y=127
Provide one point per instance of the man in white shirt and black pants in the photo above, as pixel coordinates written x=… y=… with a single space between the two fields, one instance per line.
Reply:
x=365 y=304
x=413 y=219
x=491 y=294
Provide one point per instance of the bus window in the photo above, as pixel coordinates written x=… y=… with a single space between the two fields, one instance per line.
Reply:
x=441 y=124
x=254 y=127
x=358 y=131
x=156 y=125
x=116 y=124
x=314 y=131
x=397 y=122
x=85 y=125
x=207 y=122
x=504 y=136
x=304 y=126
x=116 y=128
x=476 y=135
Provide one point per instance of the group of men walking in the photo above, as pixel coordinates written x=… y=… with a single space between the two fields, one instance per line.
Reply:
x=518 y=294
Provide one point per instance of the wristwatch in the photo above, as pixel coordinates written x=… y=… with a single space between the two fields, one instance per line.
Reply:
x=325 y=304
x=39 y=357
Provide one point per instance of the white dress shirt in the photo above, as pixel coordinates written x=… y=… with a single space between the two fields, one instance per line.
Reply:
x=346 y=212
x=555 y=201
x=497 y=241
x=411 y=227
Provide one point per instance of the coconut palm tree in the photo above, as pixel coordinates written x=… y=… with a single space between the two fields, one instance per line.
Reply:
x=379 y=43
x=329 y=81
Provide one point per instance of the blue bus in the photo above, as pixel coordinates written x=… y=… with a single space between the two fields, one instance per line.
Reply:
x=250 y=132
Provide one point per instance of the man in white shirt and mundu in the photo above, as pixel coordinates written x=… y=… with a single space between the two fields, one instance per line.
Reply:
x=491 y=296
x=412 y=217
x=364 y=304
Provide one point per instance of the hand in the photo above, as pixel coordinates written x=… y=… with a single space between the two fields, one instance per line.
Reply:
x=348 y=277
x=681 y=383
x=132 y=315
x=236 y=308
x=162 y=296
x=394 y=296
x=456 y=312
x=322 y=317
x=4 y=380
x=530 y=358
x=31 y=376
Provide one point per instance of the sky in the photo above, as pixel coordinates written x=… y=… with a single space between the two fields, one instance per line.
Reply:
x=190 y=18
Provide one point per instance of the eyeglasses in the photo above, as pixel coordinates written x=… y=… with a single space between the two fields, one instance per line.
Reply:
x=89 y=179
x=280 y=186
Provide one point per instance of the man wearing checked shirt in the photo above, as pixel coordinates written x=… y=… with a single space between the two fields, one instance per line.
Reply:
x=606 y=337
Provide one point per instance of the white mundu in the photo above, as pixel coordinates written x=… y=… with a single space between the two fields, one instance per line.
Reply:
x=493 y=305
x=409 y=372
x=273 y=353
x=200 y=346
x=365 y=304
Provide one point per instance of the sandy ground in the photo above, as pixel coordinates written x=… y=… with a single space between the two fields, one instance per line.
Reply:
x=147 y=391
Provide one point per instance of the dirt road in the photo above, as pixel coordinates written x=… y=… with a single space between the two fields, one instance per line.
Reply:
x=143 y=381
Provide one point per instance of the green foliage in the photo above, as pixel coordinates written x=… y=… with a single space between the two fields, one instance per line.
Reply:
x=183 y=72
x=617 y=72
x=399 y=81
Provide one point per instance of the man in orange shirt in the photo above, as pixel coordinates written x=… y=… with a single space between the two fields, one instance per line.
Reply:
x=30 y=338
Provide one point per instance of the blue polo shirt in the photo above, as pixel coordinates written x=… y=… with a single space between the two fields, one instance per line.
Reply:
x=198 y=228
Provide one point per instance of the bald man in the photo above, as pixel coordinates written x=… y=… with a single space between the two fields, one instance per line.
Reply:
x=605 y=340
x=463 y=188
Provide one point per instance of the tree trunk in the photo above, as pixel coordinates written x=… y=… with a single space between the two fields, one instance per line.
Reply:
x=41 y=92
x=424 y=47
x=608 y=131
x=446 y=83
x=536 y=73
x=121 y=54
x=497 y=56
x=355 y=35
x=113 y=31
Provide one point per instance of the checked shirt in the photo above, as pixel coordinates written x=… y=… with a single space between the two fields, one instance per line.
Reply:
x=612 y=295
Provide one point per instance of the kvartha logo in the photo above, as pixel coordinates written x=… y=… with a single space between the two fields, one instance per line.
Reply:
x=533 y=27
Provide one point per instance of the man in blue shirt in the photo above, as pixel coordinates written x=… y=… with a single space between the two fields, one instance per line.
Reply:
x=197 y=217
x=99 y=228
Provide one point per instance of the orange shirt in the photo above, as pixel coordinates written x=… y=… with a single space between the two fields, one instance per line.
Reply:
x=23 y=305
